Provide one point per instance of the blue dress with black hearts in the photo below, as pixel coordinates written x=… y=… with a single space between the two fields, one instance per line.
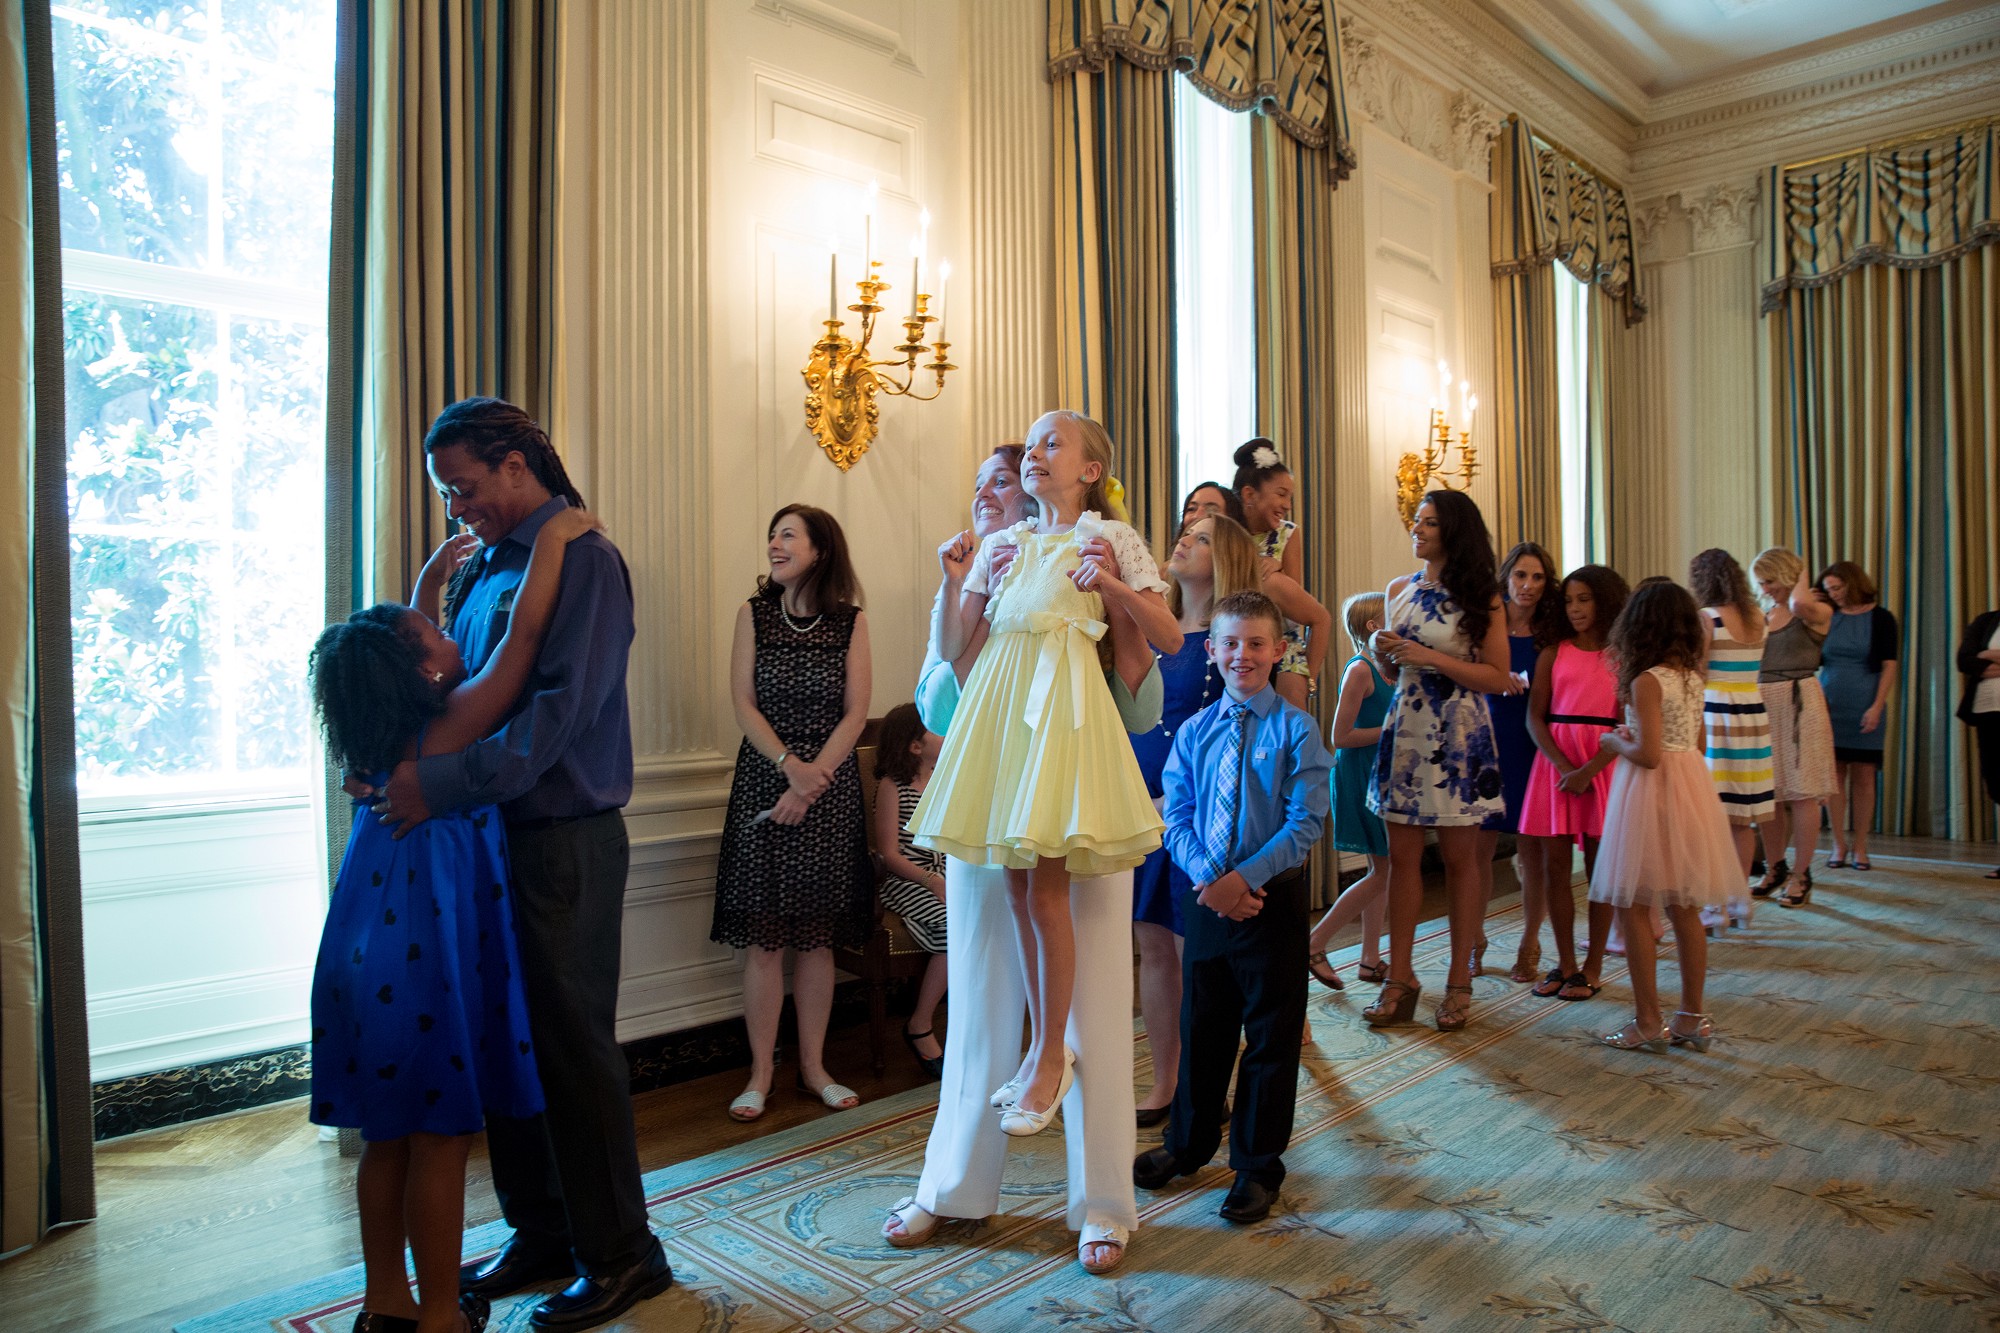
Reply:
x=418 y=1020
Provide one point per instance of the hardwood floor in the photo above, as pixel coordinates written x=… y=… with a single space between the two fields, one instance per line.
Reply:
x=198 y=1216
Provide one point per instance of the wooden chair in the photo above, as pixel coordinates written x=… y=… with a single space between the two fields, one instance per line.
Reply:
x=889 y=953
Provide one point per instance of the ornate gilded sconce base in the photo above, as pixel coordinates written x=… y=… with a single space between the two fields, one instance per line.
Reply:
x=842 y=383
x=1418 y=473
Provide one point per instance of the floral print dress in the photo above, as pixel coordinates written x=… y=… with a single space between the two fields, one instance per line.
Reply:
x=1437 y=762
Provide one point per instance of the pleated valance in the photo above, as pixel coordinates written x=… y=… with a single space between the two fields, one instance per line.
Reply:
x=1549 y=208
x=1280 y=57
x=1916 y=205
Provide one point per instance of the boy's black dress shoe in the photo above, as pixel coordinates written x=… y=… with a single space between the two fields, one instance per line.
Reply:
x=1155 y=1169
x=518 y=1265
x=1248 y=1201
x=590 y=1301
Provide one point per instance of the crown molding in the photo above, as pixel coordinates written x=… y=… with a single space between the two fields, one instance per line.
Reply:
x=1748 y=137
x=1548 y=33
x=1831 y=61
x=1459 y=45
x=1454 y=127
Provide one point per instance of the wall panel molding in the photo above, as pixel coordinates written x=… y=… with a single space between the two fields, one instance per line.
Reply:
x=650 y=376
x=1010 y=358
x=818 y=128
x=834 y=21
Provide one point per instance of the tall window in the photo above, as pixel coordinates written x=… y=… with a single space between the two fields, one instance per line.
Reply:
x=1214 y=312
x=195 y=156
x=1573 y=417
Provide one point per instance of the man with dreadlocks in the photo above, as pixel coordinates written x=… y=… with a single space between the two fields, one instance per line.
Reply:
x=560 y=769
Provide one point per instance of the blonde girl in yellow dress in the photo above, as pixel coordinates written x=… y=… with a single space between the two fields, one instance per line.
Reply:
x=1037 y=774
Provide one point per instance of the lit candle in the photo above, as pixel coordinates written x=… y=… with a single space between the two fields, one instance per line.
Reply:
x=1464 y=398
x=868 y=233
x=944 y=283
x=832 y=278
x=916 y=273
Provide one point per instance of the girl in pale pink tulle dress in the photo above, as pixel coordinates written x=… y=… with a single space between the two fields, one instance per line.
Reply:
x=1666 y=841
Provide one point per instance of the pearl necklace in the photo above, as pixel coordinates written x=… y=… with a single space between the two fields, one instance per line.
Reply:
x=808 y=628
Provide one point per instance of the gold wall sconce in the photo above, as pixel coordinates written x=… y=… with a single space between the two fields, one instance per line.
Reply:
x=843 y=382
x=1417 y=473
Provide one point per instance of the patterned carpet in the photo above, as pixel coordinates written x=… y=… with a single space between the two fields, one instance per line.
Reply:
x=1829 y=1163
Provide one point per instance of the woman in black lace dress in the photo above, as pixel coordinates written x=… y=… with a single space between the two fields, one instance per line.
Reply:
x=794 y=872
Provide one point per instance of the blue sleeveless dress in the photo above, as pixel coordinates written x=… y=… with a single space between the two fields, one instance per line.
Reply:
x=1356 y=828
x=418 y=1020
x=1190 y=682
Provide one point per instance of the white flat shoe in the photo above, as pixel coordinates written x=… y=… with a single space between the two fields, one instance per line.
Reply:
x=748 y=1107
x=917 y=1222
x=1004 y=1095
x=1098 y=1233
x=836 y=1096
x=1022 y=1123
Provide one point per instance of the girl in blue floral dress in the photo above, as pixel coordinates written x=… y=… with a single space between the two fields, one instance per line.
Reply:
x=1436 y=765
x=419 y=1026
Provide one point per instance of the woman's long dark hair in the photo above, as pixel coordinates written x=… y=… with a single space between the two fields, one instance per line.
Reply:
x=1546 y=621
x=831 y=581
x=1468 y=575
x=1607 y=588
x=1716 y=579
x=902 y=727
x=1232 y=503
x=1660 y=626
x=369 y=689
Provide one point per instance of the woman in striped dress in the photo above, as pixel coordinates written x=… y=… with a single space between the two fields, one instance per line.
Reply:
x=1738 y=728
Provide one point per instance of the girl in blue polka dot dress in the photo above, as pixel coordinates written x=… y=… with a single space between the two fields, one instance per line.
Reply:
x=419 y=1029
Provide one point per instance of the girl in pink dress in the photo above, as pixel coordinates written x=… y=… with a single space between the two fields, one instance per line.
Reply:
x=1667 y=845
x=1573 y=702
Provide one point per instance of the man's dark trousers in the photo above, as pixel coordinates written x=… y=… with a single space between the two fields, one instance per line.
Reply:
x=568 y=1179
x=1248 y=978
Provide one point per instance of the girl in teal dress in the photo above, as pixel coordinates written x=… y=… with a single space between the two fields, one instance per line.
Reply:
x=1357 y=725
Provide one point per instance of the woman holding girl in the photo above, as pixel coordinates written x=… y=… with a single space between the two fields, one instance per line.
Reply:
x=965 y=1158
x=912 y=879
x=1357 y=727
x=1859 y=668
x=1737 y=729
x=1797 y=620
x=1436 y=765
x=1575 y=701
x=1036 y=774
x=1667 y=844
x=1263 y=486
x=419 y=1026
x=1527 y=577
x=794 y=872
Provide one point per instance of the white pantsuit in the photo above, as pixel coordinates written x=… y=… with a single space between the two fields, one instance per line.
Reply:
x=967 y=1153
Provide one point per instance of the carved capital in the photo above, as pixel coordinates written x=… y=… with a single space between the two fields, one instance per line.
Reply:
x=1721 y=215
x=1648 y=216
x=1474 y=123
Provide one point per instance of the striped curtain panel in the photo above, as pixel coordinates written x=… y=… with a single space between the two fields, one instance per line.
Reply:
x=1114 y=276
x=45 y=1120
x=1292 y=219
x=1884 y=292
x=442 y=268
x=1548 y=209
x=1614 y=380
x=1110 y=62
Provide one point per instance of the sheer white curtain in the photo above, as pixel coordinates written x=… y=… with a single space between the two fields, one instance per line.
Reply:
x=1214 y=307
x=1573 y=416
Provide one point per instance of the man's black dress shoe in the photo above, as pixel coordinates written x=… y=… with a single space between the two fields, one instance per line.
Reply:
x=589 y=1301
x=1155 y=1169
x=516 y=1266
x=1248 y=1201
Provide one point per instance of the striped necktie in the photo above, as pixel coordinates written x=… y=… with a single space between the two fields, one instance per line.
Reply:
x=1229 y=772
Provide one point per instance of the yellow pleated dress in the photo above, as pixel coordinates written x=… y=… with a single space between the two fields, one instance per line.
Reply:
x=1037 y=763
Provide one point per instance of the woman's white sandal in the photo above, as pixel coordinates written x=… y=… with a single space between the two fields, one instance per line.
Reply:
x=1096 y=1233
x=748 y=1107
x=908 y=1212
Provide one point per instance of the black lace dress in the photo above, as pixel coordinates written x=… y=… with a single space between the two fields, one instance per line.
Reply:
x=806 y=885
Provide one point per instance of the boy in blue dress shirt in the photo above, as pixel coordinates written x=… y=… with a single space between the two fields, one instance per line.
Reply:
x=1246 y=798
